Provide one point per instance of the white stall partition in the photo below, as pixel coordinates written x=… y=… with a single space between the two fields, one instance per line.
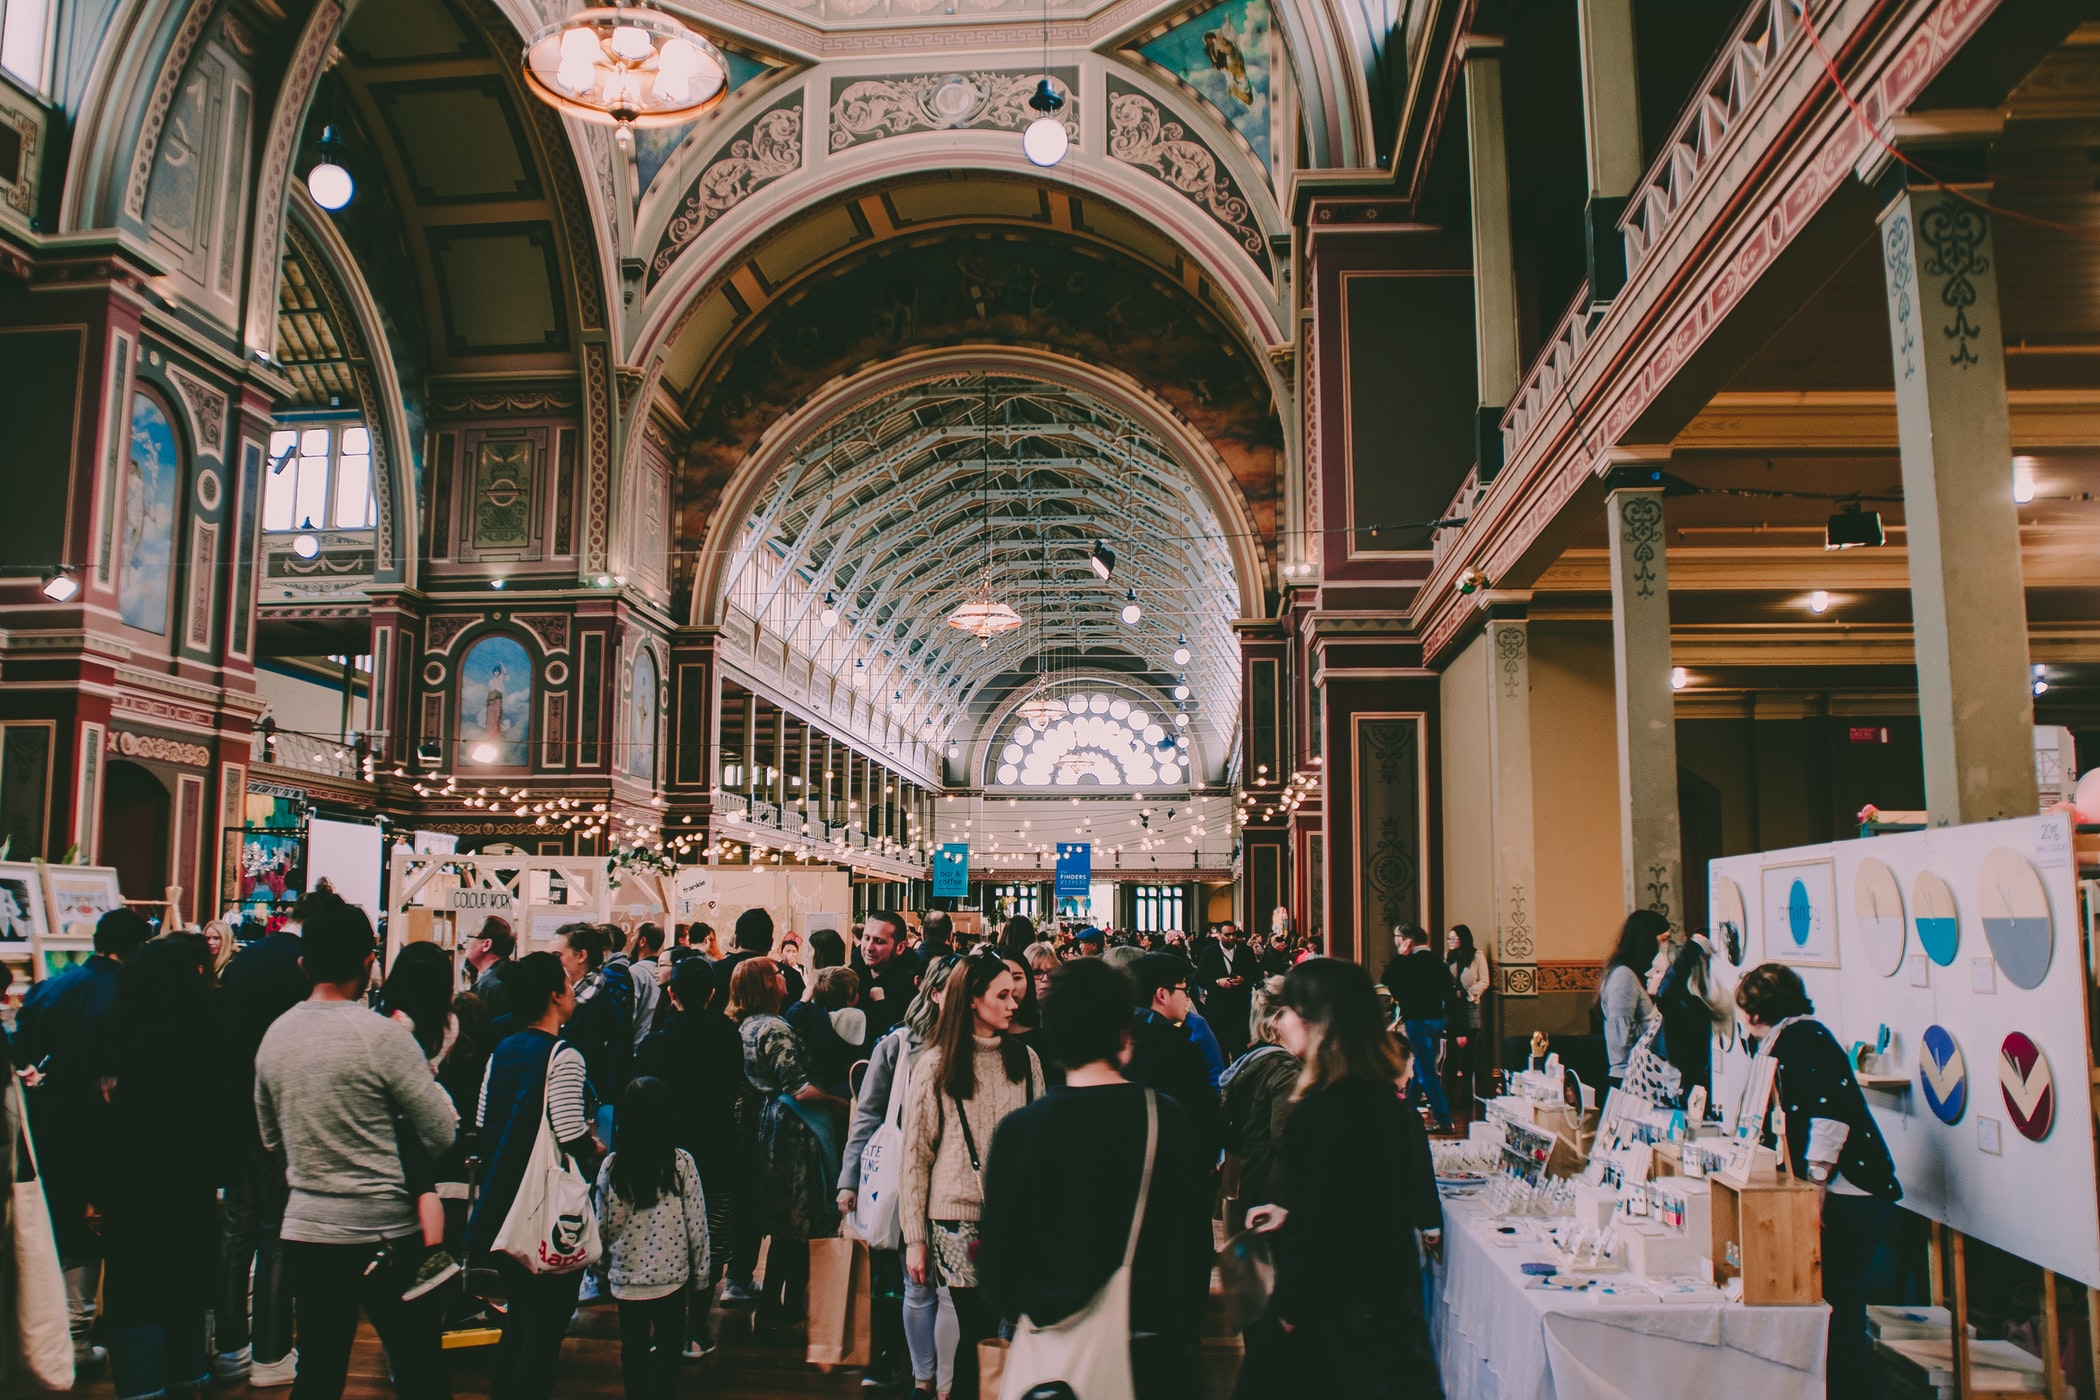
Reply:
x=350 y=856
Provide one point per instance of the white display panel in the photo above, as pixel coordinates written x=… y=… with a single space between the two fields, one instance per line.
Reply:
x=1982 y=1174
x=350 y=855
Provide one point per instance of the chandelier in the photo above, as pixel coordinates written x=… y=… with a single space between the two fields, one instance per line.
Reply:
x=1041 y=710
x=981 y=615
x=626 y=66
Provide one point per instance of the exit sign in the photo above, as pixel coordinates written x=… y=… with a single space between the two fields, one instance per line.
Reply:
x=1870 y=734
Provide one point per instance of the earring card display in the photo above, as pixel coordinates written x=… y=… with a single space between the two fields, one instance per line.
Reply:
x=1968 y=944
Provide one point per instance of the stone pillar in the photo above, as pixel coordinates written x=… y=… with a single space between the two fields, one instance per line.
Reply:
x=1640 y=628
x=1968 y=603
x=1611 y=121
x=1515 y=952
x=1494 y=268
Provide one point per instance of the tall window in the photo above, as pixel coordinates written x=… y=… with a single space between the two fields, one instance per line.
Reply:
x=1162 y=909
x=25 y=40
x=1021 y=901
x=320 y=476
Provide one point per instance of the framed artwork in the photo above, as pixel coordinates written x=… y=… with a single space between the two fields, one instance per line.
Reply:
x=495 y=704
x=56 y=960
x=272 y=868
x=21 y=904
x=1800 y=913
x=641 y=744
x=152 y=489
x=75 y=896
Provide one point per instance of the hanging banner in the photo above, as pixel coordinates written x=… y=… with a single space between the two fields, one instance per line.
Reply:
x=1075 y=869
x=951 y=871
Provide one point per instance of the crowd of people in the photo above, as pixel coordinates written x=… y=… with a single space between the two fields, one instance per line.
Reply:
x=1066 y=1109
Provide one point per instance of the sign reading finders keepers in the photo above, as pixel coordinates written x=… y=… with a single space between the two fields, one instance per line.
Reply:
x=480 y=901
x=1075 y=869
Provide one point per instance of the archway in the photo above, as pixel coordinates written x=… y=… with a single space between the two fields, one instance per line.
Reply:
x=136 y=811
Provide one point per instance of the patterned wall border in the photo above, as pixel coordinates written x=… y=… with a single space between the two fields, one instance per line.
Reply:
x=1140 y=135
x=761 y=151
x=1570 y=976
x=868 y=109
x=147 y=144
x=272 y=180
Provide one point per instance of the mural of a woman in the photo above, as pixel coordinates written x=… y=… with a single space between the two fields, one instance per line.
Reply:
x=495 y=704
x=152 y=481
x=641 y=745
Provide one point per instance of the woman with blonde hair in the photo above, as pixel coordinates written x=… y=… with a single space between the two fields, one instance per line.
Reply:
x=797 y=1146
x=218 y=937
x=1346 y=1317
x=974 y=1074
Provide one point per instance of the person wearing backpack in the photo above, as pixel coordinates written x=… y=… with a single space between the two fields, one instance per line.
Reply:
x=653 y=1213
x=532 y=1073
x=880 y=1110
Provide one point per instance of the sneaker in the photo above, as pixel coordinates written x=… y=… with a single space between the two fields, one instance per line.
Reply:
x=739 y=1291
x=87 y=1356
x=589 y=1292
x=436 y=1268
x=283 y=1371
x=232 y=1365
x=699 y=1348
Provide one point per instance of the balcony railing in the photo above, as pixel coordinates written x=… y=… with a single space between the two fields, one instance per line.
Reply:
x=1731 y=88
x=1544 y=385
x=309 y=753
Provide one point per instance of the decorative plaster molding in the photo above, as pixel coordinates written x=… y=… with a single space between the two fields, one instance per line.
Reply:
x=207 y=410
x=172 y=68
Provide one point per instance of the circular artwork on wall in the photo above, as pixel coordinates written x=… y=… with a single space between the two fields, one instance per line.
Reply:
x=557 y=673
x=1942 y=1074
x=1877 y=906
x=2016 y=922
x=1730 y=921
x=2030 y=1094
x=433 y=672
x=208 y=489
x=1938 y=919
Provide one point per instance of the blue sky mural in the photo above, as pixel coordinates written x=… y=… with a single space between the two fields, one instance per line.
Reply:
x=1223 y=53
x=495 y=702
x=653 y=145
x=150 y=492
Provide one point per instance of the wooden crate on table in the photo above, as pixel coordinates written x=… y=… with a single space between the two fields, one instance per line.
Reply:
x=1770 y=1235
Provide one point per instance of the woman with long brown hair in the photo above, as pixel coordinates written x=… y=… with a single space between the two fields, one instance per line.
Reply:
x=1346 y=1318
x=974 y=1074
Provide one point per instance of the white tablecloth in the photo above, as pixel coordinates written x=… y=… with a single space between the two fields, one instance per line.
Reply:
x=1498 y=1339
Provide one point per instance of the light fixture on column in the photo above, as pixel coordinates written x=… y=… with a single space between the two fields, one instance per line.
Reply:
x=304 y=544
x=2023 y=480
x=327 y=181
x=2041 y=678
x=625 y=66
x=1102 y=560
x=830 y=615
x=59 y=584
x=1679 y=678
x=1131 y=611
x=1854 y=528
x=1819 y=602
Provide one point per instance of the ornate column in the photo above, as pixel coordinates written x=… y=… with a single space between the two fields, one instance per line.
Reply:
x=1494 y=268
x=1968 y=602
x=1611 y=123
x=1647 y=720
x=1515 y=953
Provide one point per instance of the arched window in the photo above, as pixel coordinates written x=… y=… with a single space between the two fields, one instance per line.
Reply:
x=320 y=477
x=1099 y=741
x=152 y=497
x=495 y=704
x=641 y=710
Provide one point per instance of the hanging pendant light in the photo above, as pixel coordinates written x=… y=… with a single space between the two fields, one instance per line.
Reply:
x=1046 y=141
x=981 y=615
x=626 y=66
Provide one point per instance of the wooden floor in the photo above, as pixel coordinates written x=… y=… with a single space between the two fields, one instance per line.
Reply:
x=740 y=1369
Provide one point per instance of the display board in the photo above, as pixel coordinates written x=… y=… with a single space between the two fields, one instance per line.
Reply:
x=347 y=855
x=1966 y=943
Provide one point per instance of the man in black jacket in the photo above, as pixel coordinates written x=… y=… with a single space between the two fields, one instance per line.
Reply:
x=889 y=976
x=1044 y=1255
x=1422 y=990
x=1165 y=1056
x=1228 y=971
x=63 y=1035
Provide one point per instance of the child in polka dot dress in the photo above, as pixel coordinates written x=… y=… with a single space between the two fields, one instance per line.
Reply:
x=654 y=1221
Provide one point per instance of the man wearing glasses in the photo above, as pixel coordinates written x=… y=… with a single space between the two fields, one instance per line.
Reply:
x=489 y=953
x=1164 y=1054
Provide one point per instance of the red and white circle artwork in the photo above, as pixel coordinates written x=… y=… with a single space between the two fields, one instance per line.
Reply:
x=2030 y=1094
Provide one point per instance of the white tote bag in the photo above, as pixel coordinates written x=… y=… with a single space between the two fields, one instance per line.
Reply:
x=1090 y=1350
x=40 y=1334
x=882 y=1166
x=551 y=1228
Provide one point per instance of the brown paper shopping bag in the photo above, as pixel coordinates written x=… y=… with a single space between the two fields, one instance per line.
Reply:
x=991 y=1366
x=840 y=1298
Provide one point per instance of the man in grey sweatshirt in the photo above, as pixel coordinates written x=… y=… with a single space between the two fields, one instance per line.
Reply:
x=333 y=1081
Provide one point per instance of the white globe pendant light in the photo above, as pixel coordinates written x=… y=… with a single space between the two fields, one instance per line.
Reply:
x=1046 y=141
x=328 y=182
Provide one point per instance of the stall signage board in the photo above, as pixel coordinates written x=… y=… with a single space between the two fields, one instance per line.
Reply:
x=951 y=871
x=481 y=901
x=1075 y=869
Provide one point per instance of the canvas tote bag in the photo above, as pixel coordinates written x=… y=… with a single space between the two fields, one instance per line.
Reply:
x=40 y=1334
x=1090 y=1350
x=551 y=1228
x=882 y=1166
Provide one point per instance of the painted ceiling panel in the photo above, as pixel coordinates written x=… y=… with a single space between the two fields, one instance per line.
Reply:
x=498 y=286
x=943 y=199
x=460 y=139
x=805 y=243
x=406 y=31
x=703 y=331
x=1227 y=54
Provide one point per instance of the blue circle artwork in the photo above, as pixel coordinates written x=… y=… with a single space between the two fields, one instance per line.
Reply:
x=1942 y=1075
x=1800 y=918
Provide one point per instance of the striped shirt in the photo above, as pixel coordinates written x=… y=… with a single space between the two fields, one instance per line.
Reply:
x=565 y=1103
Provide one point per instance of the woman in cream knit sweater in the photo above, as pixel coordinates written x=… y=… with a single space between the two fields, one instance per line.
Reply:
x=973 y=1076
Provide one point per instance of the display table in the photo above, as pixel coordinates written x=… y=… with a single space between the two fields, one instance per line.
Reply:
x=1498 y=1338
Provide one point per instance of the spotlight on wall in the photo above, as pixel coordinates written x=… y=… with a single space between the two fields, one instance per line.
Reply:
x=328 y=182
x=1854 y=528
x=1102 y=560
x=830 y=615
x=2023 y=480
x=59 y=584
x=1819 y=602
x=1679 y=678
x=429 y=753
x=496 y=583
x=1471 y=581
x=304 y=544
x=2041 y=679
x=1131 y=611
x=483 y=752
